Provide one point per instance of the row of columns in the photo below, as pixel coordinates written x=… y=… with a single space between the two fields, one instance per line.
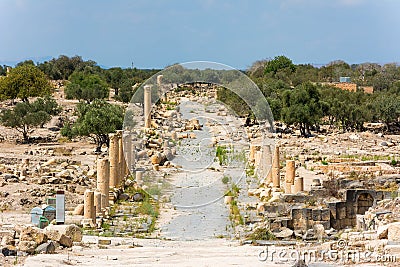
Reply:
x=111 y=172
x=293 y=185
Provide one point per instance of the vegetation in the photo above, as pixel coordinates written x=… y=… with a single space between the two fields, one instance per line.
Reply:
x=299 y=95
x=86 y=86
x=23 y=82
x=25 y=116
x=261 y=233
x=95 y=120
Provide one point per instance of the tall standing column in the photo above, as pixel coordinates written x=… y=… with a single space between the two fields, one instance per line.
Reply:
x=289 y=177
x=147 y=106
x=114 y=160
x=89 y=211
x=121 y=160
x=128 y=153
x=103 y=178
x=268 y=163
x=276 y=168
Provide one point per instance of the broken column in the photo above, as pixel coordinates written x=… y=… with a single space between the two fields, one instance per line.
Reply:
x=289 y=177
x=298 y=185
x=97 y=202
x=114 y=160
x=147 y=106
x=275 y=168
x=89 y=211
x=139 y=178
x=103 y=178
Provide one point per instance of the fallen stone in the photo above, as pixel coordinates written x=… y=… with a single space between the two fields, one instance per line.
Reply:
x=33 y=234
x=46 y=248
x=284 y=232
x=27 y=246
x=382 y=231
x=7 y=241
x=79 y=209
x=138 y=197
x=65 y=241
x=54 y=232
x=319 y=231
x=8 y=252
x=394 y=231
x=123 y=197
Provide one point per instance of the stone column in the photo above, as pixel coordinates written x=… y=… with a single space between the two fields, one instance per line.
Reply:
x=147 y=106
x=276 y=168
x=139 y=178
x=289 y=177
x=89 y=211
x=253 y=150
x=174 y=135
x=128 y=153
x=97 y=202
x=298 y=185
x=103 y=178
x=267 y=157
x=121 y=160
x=114 y=160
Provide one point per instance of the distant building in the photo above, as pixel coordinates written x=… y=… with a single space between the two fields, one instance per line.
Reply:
x=345 y=79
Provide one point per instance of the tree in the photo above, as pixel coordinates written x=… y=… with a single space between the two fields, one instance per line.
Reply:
x=280 y=63
x=387 y=108
x=62 y=67
x=25 y=116
x=302 y=107
x=24 y=81
x=96 y=120
x=114 y=78
x=86 y=86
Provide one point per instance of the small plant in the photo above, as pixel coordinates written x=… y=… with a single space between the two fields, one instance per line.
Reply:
x=393 y=162
x=250 y=171
x=324 y=162
x=261 y=234
x=221 y=154
x=225 y=179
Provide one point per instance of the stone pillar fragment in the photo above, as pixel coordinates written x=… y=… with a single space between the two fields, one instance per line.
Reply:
x=114 y=160
x=103 y=178
x=298 y=185
x=89 y=211
x=147 y=106
x=276 y=168
x=97 y=202
x=139 y=178
x=290 y=174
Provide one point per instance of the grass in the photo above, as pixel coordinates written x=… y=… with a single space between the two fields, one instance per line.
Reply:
x=221 y=153
x=250 y=171
x=261 y=233
x=225 y=179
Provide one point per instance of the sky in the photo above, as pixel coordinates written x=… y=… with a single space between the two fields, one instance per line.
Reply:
x=158 y=33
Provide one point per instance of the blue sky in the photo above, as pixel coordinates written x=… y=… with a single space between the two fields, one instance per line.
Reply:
x=157 y=33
